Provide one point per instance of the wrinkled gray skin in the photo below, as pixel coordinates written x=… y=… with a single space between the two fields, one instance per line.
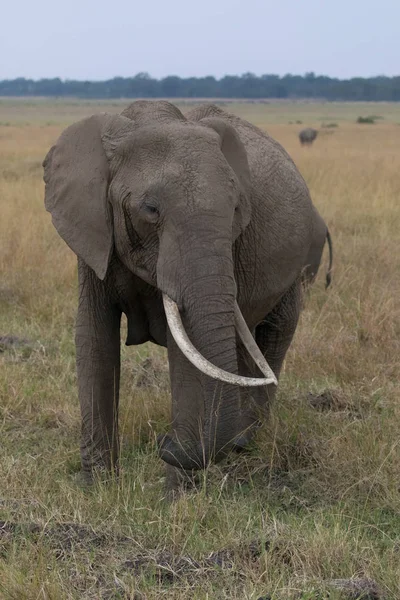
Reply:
x=307 y=136
x=206 y=208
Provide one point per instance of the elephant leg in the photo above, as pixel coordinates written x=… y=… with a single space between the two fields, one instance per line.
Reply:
x=98 y=366
x=273 y=336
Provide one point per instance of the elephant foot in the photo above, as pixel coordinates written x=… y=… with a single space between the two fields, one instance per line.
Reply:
x=83 y=479
x=179 y=481
x=100 y=474
x=244 y=439
x=241 y=445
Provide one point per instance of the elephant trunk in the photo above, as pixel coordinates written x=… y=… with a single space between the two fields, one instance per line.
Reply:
x=206 y=410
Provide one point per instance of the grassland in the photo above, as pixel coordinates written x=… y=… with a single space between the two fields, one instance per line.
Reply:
x=317 y=498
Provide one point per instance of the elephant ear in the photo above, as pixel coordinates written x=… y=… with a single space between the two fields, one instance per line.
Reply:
x=236 y=156
x=76 y=175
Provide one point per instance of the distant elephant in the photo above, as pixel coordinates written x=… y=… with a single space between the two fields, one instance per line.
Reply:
x=307 y=136
x=199 y=228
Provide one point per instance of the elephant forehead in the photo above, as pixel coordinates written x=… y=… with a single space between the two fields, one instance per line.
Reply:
x=185 y=179
x=168 y=142
x=175 y=164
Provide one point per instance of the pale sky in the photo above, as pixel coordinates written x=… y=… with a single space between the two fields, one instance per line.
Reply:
x=95 y=39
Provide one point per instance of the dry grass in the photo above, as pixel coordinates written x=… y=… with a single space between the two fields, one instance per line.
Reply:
x=316 y=499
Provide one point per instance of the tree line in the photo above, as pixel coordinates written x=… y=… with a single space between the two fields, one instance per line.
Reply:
x=248 y=85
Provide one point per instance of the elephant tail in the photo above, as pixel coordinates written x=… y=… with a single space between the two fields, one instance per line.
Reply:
x=328 y=278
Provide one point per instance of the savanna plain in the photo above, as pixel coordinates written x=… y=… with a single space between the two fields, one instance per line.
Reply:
x=317 y=497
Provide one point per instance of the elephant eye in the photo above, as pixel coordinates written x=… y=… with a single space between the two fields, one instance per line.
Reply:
x=150 y=211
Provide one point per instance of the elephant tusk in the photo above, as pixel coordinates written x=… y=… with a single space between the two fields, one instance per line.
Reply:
x=180 y=336
x=251 y=346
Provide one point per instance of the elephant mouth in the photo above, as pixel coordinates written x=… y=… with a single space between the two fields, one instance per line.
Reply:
x=202 y=364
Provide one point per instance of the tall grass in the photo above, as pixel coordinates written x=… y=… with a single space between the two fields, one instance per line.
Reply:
x=317 y=497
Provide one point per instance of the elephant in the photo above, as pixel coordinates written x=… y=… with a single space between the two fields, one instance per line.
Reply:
x=307 y=136
x=200 y=229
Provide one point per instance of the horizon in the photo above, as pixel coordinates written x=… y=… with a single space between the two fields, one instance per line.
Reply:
x=217 y=78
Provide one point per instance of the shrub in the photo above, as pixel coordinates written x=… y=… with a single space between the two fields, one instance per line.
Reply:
x=370 y=119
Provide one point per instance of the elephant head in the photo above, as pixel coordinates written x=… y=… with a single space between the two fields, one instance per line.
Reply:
x=170 y=197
